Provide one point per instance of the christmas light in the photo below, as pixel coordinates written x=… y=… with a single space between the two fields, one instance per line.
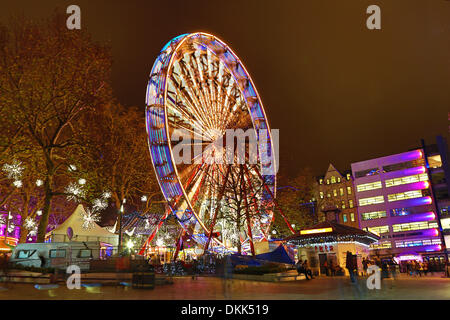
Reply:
x=106 y=195
x=99 y=204
x=144 y=198
x=82 y=181
x=89 y=219
x=74 y=192
x=72 y=167
x=14 y=170
x=30 y=224
x=17 y=183
x=39 y=182
x=39 y=212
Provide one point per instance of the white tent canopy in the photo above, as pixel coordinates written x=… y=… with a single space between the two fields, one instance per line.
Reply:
x=75 y=221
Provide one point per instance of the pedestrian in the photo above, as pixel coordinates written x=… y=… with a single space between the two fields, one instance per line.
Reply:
x=409 y=268
x=307 y=269
x=350 y=266
x=365 y=264
x=325 y=266
x=425 y=268
x=332 y=268
x=227 y=276
x=384 y=270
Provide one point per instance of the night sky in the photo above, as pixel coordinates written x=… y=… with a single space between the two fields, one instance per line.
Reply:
x=337 y=91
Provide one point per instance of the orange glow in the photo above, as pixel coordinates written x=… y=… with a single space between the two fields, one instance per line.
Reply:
x=312 y=231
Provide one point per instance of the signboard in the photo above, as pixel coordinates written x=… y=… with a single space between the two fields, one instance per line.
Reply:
x=323 y=248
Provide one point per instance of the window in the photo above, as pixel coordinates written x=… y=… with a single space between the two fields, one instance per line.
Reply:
x=328 y=181
x=373 y=215
x=344 y=217
x=349 y=190
x=406 y=180
x=406 y=211
x=379 y=230
x=328 y=195
x=417 y=243
x=352 y=216
x=368 y=172
x=350 y=203
x=381 y=245
x=333 y=179
x=368 y=186
x=25 y=254
x=85 y=253
x=338 y=179
x=321 y=194
x=343 y=204
x=341 y=191
x=57 y=253
x=413 y=226
x=348 y=176
x=321 y=181
x=371 y=200
x=405 y=195
x=404 y=165
x=335 y=193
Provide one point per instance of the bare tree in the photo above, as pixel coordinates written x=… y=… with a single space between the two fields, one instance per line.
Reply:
x=49 y=76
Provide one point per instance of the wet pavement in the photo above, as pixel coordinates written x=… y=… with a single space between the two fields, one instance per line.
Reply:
x=210 y=288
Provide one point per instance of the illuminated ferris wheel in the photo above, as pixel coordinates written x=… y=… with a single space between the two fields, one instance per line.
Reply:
x=200 y=90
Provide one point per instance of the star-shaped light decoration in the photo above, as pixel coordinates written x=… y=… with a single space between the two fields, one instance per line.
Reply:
x=14 y=170
x=106 y=195
x=74 y=192
x=89 y=219
x=30 y=224
x=99 y=204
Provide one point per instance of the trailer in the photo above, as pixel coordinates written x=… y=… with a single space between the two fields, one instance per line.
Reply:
x=59 y=255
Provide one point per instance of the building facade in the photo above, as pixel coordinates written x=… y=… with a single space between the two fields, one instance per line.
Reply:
x=438 y=166
x=335 y=197
x=395 y=201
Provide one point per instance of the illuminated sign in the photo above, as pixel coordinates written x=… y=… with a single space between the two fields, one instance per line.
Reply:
x=313 y=231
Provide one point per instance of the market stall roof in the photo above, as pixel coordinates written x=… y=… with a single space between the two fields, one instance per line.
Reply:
x=330 y=231
x=4 y=247
x=75 y=221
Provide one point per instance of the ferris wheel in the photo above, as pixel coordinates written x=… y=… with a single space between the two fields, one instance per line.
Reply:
x=200 y=90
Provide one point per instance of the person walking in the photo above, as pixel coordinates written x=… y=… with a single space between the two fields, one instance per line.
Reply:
x=227 y=277
x=325 y=266
x=350 y=266
x=307 y=270
x=365 y=264
x=332 y=268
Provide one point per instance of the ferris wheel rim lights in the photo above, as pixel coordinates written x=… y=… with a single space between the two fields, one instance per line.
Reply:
x=160 y=144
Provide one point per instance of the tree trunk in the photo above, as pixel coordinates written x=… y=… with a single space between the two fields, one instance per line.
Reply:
x=43 y=223
x=24 y=216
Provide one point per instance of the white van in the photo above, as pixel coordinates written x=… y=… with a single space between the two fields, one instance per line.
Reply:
x=57 y=255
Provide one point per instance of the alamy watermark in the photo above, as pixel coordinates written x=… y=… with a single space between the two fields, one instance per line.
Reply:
x=374 y=279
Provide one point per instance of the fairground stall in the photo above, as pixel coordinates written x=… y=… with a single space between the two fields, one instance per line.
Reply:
x=326 y=244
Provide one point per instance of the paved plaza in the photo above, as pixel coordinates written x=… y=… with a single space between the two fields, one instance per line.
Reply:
x=404 y=287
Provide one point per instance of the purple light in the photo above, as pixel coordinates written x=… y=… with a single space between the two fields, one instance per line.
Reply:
x=431 y=232
x=427 y=216
x=413 y=155
x=436 y=247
